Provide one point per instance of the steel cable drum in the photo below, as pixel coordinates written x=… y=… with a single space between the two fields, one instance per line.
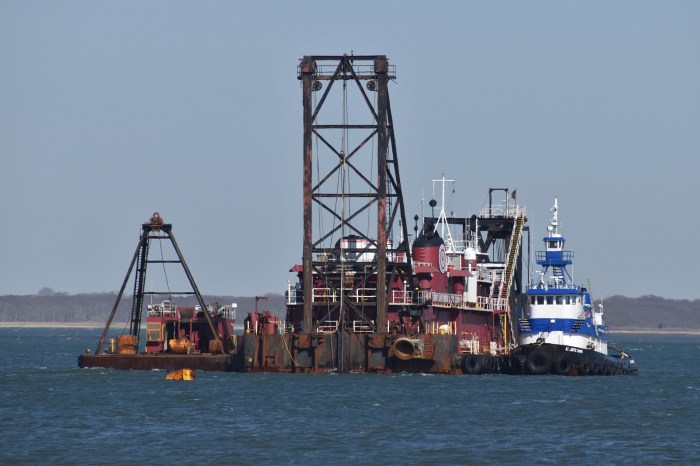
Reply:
x=127 y=344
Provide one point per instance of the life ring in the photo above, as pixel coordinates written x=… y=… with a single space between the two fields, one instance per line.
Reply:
x=538 y=362
x=562 y=366
x=471 y=364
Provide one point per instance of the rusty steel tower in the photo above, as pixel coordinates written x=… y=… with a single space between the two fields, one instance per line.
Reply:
x=355 y=237
x=154 y=229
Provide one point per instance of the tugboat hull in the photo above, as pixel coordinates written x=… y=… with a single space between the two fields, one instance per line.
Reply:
x=564 y=360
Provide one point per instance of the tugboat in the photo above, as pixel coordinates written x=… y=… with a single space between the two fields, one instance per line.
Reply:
x=560 y=331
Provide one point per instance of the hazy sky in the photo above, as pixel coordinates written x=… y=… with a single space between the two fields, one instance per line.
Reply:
x=112 y=110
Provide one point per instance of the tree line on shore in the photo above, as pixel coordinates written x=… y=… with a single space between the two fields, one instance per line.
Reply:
x=48 y=306
x=644 y=313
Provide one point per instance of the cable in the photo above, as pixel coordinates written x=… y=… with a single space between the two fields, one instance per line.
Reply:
x=284 y=342
x=167 y=285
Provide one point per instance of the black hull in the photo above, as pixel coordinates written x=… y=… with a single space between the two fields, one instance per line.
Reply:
x=147 y=362
x=563 y=360
x=374 y=353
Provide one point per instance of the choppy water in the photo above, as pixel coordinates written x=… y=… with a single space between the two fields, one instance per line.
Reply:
x=52 y=412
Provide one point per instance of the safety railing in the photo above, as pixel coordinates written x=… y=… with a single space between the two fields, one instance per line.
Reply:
x=447 y=300
x=364 y=294
x=456 y=246
x=492 y=304
x=362 y=326
x=442 y=328
x=510 y=211
x=403 y=297
x=422 y=264
x=323 y=295
x=294 y=294
x=363 y=71
x=327 y=326
x=468 y=343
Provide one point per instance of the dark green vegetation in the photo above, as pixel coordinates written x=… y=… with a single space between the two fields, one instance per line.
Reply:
x=644 y=313
x=651 y=312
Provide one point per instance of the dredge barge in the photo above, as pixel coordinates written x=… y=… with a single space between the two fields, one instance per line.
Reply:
x=177 y=337
x=369 y=296
x=366 y=298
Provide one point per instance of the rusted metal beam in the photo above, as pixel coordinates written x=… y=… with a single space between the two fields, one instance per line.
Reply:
x=119 y=297
x=308 y=68
x=140 y=281
x=219 y=343
x=381 y=67
x=370 y=74
x=345 y=126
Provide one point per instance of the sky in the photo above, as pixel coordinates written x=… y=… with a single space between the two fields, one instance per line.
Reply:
x=112 y=110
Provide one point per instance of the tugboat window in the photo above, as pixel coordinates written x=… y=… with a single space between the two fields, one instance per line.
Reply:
x=540 y=300
x=560 y=300
x=550 y=299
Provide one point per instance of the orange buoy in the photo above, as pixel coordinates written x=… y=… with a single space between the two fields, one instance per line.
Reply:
x=181 y=374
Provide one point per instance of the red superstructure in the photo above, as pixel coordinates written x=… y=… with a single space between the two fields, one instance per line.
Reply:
x=460 y=291
x=185 y=330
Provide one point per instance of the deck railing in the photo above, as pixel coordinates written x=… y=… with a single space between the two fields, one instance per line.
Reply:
x=492 y=304
x=326 y=295
x=328 y=326
x=501 y=211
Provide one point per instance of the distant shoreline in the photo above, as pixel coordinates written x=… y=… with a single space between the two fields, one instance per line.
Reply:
x=122 y=324
x=55 y=325
x=657 y=331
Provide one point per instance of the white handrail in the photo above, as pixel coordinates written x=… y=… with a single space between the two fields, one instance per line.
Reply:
x=327 y=326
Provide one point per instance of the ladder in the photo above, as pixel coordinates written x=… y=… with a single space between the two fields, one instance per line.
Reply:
x=513 y=251
x=139 y=283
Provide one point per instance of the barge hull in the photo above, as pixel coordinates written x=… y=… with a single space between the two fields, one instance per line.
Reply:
x=347 y=352
x=304 y=353
x=203 y=362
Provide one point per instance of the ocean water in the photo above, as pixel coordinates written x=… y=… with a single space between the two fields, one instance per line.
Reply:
x=52 y=412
